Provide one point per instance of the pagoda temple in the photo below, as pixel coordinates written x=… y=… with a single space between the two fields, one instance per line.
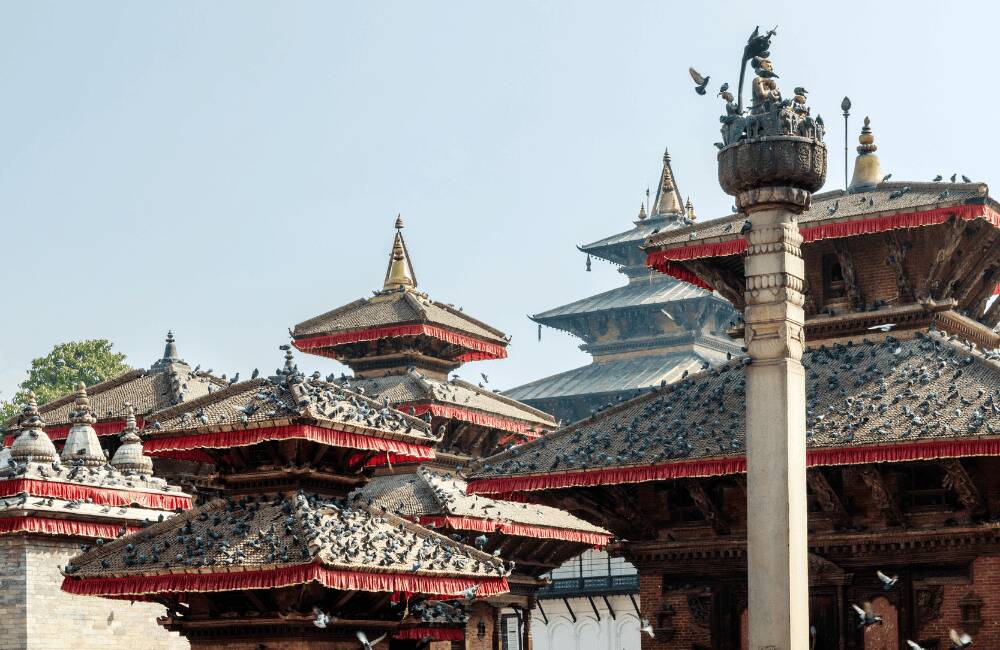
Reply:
x=902 y=431
x=282 y=556
x=50 y=506
x=402 y=345
x=651 y=331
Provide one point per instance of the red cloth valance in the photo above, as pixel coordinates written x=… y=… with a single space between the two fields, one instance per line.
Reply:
x=484 y=349
x=100 y=496
x=864 y=226
x=514 y=529
x=281 y=577
x=247 y=437
x=69 y=527
x=436 y=633
x=903 y=452
x=474 y=417
x=56 y=433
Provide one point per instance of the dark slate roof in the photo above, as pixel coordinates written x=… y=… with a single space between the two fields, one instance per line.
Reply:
x=429 y=493
x=415 y=387
x=264 y=533
x=613 y=376
x=660 y=290
x=146 y=390
x=895 y=391
x=392 y=307
x=289 y=396
x=607 y=248
x=921 y=196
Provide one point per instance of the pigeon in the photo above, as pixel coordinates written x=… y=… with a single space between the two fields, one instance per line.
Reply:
x=885 y=179
x=866 y=615
x=953 y=177
x=887 y=582
x=747 y=226
x=966 y=179
x=799 y=90
x=883 y=328
x=723 y=88
x=700 y=81
x=959 y=641
x=915 y=646
x=938 y=178
x=365 y=643
x=486 y=379
x=470 y=593
x=480 y=541
x=644 y=626
x=322 y=618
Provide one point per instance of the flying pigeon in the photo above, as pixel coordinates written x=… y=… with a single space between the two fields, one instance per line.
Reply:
x=700 y=81
x=887 y=582
x=866 y=615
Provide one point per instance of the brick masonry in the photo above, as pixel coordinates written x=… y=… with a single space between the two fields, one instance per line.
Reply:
x=36 y=615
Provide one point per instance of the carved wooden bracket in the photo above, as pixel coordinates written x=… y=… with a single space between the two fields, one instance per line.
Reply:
x=826 y=496
x=880 y=493
x=729 y=285
x=846 y=260
x=705 y=505
x=896 y=260
x=958 y=481
x=943 y=260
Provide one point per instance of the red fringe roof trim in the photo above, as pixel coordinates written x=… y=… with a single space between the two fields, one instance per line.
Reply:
x=478 y=349
x=474 y=417
x=100 y=496
x=247 y=437
x=830 y=231
x=68 y=527
x=915 y=451
x=280 y=577
x=681 y=273
x=435 y=633
x=57 y=433
x=518 y=530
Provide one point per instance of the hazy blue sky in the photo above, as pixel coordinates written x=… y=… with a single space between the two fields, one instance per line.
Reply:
x=228 y=169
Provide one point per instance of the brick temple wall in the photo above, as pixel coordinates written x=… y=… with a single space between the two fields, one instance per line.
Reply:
x=985 y=585
x=36 y=615
x=679 y=629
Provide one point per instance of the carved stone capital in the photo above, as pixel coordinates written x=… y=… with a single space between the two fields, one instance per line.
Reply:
x=763 y=198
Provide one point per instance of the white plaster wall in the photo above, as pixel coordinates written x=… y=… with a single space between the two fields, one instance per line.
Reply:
x=587 y=633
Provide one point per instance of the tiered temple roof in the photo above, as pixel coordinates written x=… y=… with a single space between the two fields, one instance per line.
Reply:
x=401 y=345
x=282 y=549
x=641 y=335
x=79 y=494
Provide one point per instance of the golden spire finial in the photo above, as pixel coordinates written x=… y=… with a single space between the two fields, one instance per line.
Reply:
x=400 y=273
x=642 y=211
x=689 y=209
x=867 y=170
x=668 y=198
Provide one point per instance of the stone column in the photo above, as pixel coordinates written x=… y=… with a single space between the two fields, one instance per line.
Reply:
x=776 y=414
x=526 y=624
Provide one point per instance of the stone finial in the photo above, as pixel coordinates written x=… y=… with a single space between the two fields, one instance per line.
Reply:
x=82 y=442
x=642 y=212
x=32 y=443
x=867 y=169
x=129 y=456
x=170 y=349
x=400 y=273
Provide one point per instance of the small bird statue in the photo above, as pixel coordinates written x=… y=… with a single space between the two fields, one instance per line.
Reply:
x=700 y=81
x=887 y=582
x=866 y=615
x=365 y=643
x=959 y=641
x=646 y=628
x=938 y=178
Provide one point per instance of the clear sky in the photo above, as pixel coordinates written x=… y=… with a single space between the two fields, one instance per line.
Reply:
x=228 y=169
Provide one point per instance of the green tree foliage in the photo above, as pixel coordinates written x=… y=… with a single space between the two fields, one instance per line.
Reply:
x=58 y=372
